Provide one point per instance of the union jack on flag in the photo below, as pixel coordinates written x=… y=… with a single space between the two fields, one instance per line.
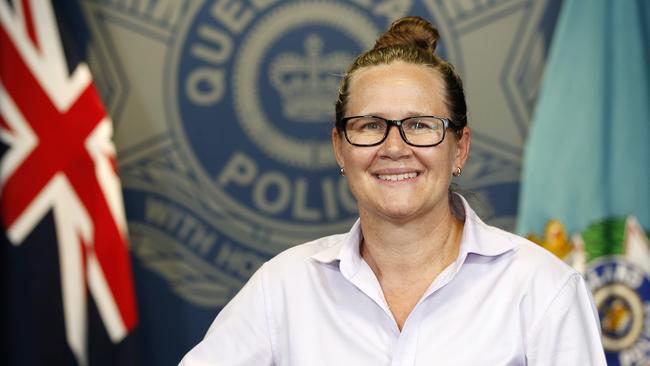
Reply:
x=57 y=166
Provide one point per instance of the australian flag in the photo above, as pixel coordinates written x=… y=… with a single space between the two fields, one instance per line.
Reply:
x=67 y=286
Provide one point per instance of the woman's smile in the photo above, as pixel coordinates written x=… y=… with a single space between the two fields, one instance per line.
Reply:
x=401 y=177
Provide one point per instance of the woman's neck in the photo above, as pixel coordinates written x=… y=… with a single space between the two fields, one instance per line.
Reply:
x=420 y=247
x=408 y=257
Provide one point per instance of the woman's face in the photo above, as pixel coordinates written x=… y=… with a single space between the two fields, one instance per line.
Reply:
x=394 y=180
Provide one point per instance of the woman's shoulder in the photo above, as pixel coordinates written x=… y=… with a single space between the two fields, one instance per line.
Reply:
x=541 y=272
x=533 y=254
x=300 y=256
x=529 y=261
x=524 y=255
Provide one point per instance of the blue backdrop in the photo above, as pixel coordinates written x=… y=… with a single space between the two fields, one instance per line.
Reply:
x=223 y=111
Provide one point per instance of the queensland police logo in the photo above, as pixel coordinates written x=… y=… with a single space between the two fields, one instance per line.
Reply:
x=622 y=295
x=250 y=103
x=232 y=162
x=250 y=92
x=253 y=99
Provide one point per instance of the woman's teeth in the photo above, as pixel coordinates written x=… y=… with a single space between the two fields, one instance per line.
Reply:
x=396 y=177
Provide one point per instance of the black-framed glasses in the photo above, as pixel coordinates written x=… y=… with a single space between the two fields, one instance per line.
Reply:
x=420 y=131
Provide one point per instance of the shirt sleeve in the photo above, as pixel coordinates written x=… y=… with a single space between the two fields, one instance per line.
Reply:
x=569 y=331
x=239 y=336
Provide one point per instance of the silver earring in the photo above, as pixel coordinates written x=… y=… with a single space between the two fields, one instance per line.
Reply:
x=342 y=171
x=457 y=172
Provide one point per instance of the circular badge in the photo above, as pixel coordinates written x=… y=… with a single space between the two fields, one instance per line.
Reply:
x=621 y=293
x=251 y=93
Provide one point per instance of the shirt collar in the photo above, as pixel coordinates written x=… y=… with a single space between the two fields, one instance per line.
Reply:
x=478 y=238
x=345 y=251
x=345 y=245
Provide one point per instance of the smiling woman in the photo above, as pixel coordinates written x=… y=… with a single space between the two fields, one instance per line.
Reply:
x=419 y=278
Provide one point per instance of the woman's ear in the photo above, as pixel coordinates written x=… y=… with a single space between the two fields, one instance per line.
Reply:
x=463 y=146
x=337 y=145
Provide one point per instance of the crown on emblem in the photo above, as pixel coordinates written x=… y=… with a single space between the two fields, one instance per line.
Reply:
x=308 y=83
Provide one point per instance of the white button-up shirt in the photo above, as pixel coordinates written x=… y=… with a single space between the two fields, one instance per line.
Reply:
x=503 y=301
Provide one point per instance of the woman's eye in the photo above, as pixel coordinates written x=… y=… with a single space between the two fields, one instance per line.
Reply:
x=371 y=126
x=421 y=125
x=417 y=125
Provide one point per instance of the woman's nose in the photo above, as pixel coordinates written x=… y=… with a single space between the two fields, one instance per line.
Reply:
x=394 y=146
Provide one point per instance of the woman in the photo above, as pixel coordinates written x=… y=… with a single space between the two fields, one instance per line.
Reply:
x=419 y=279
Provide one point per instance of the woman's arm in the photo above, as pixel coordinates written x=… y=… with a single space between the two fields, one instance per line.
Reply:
x=568 y=333
x=240 y=333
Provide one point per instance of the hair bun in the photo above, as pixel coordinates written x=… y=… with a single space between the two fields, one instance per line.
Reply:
x=410 y=31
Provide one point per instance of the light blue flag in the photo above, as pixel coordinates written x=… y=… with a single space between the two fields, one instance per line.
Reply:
x=588 y=152
x=587 y=164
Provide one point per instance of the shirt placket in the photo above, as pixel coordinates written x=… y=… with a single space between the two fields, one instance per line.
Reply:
x=406 y=348
x=406 y=345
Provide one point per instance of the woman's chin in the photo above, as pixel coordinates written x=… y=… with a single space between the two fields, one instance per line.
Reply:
x=399 y=213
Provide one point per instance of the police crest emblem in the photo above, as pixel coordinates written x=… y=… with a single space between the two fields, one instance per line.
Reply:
x=251 y=92
x=234 y=163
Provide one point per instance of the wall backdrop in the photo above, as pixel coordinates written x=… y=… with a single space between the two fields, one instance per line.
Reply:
x=223 y=111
